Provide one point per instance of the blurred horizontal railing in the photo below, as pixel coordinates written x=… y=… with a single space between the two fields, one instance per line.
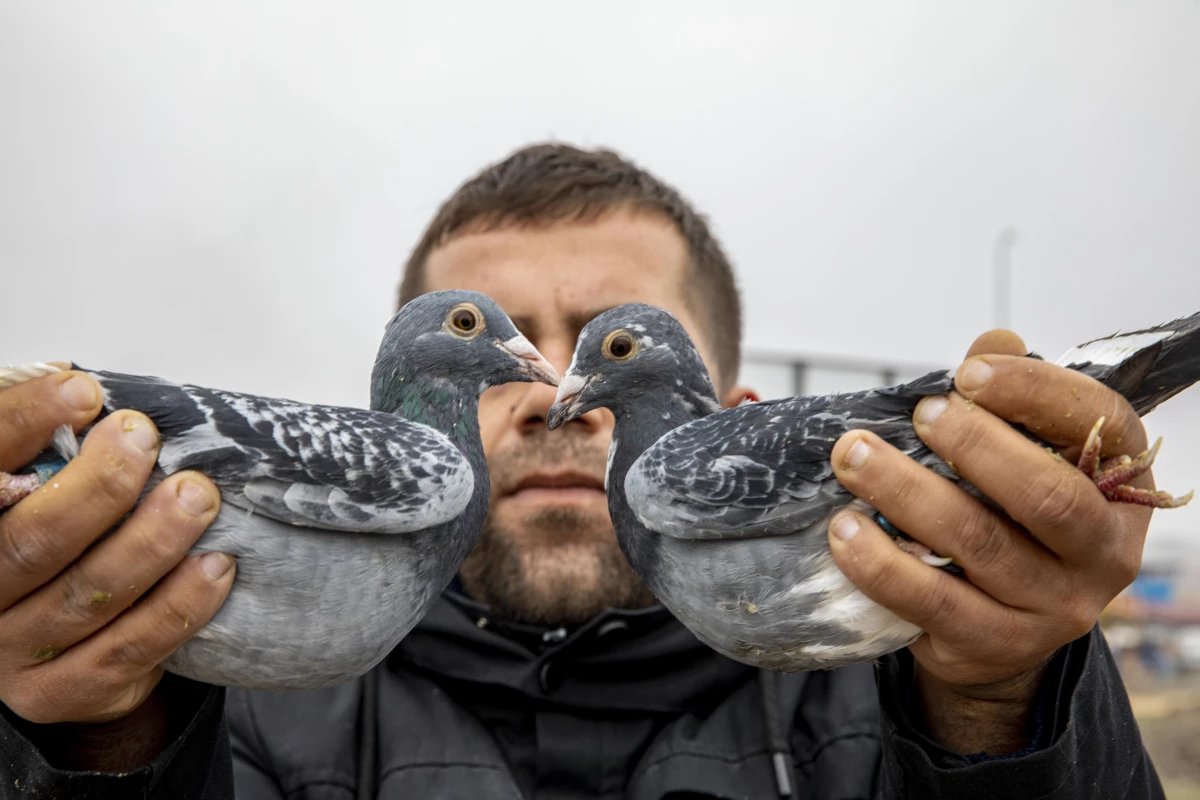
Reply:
x=776 y=374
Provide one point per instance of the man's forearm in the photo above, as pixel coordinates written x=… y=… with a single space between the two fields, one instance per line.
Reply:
x=1075 y=733
x=121 y=745
x=187 y=758
x=996 y=719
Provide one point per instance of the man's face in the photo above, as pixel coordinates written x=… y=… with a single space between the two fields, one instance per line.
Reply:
x=548 y=552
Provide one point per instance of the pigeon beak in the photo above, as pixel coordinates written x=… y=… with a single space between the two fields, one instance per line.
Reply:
x=569 y=402
x=532 y=364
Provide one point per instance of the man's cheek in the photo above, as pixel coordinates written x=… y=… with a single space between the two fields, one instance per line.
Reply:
x=495 y=414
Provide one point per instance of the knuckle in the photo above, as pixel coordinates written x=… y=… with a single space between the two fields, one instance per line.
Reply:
x=967 y=433
x=117 y=480
x=1078 y=616
x=905 y=486
x=1010 y=636
x=29 y=552
x=883 y=574
x=129 y=653
x=1081 y=621
x=939 y=603
x=1054 y=499
x=158 y=540
x=1128 y=433
x=986 y=541
x=32 y=700
x=1127 y=567
x=1121 y=562
x=166 y=620
x=17 y=415
x=79 y=598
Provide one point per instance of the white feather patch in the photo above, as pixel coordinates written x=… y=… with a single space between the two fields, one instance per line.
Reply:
x=1110 y=352
x=11 y=376
x=65 y=442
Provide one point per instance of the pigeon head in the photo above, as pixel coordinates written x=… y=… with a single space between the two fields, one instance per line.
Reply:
x=459 y=337
x=633 y=354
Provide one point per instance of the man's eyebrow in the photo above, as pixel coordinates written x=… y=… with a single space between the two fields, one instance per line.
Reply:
x=578 y=319
x=526 y=325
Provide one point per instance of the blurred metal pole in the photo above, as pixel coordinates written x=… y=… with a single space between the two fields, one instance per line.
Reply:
x=799 y=373
x=1002 y=278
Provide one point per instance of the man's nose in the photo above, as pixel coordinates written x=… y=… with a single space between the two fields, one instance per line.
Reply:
x=534 y=406
x=558 y=351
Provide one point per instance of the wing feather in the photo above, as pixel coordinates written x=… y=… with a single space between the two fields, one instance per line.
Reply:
x=329 y=467
x=764 y=469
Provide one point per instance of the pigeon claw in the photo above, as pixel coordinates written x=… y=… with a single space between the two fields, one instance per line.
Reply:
x=1147 y=497
x=918 y=550
x=909 y=545
x=15 y=488
x=1113 y=475
x=1089 y=459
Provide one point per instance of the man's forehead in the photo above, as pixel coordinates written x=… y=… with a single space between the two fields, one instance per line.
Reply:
x=568 y=271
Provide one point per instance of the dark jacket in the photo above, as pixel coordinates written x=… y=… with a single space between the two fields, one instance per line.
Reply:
x=630 y=705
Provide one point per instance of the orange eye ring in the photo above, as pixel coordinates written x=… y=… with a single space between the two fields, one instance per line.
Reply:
x=620 y=345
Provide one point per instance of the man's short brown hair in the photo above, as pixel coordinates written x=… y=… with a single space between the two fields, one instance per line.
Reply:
x=546 y=183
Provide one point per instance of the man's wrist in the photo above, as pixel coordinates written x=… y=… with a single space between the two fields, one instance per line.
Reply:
x=119 y=745
x=997 y=719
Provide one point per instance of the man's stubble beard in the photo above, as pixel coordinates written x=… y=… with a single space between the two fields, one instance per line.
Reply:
x=558 y=566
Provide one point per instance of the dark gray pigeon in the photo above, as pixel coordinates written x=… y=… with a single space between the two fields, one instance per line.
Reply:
x=723 y=513
x=346 y=523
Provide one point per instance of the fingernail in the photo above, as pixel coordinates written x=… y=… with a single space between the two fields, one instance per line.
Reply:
x=857 y=455
x=973 y=375
x=215 y=564
x=930 y=408
x=193 y=498
x=845 y=527
x=141 y=433
x=79 y=393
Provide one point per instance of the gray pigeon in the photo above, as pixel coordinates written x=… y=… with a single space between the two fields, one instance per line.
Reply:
x=346 y=523
x=723 y=513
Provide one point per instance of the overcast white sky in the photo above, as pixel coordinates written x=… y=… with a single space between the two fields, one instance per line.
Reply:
x=222 y=193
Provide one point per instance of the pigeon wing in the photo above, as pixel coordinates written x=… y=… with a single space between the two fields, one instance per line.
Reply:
x=764 y=469
x=315 y=466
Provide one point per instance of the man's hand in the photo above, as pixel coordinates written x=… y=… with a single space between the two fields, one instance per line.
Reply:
x=1037 y=577
x=85 y=623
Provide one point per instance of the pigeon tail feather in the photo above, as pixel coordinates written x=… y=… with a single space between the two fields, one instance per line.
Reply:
x=19 y=373
x=1147 y=367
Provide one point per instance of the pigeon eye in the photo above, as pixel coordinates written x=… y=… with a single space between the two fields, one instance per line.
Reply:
x=619 y=346
x=464 y=320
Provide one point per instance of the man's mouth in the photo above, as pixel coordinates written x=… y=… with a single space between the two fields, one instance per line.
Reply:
x=557 y=488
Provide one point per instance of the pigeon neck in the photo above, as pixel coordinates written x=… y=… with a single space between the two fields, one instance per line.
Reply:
x=636 y=429
x=641 y=425
x=438 y=403
x=647 y=417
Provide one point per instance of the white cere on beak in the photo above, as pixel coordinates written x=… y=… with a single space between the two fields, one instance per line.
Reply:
x=521 y=347
x=570 y=386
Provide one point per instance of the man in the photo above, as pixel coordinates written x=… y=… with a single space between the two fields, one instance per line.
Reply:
x=547 y=670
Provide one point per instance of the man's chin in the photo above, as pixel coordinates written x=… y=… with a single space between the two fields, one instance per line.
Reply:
x=560 y=568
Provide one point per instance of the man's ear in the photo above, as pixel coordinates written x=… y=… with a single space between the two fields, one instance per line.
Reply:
x=736 y=395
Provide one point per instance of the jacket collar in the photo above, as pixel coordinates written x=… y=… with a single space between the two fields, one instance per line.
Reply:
x=642 y=660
